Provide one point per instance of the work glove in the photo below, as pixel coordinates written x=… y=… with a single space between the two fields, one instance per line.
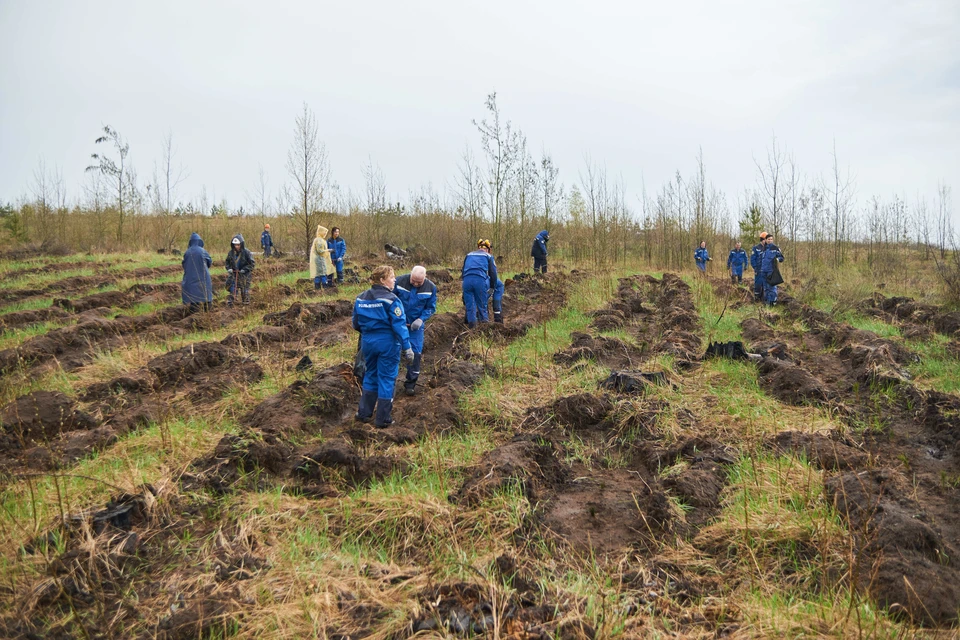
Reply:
x=416 y=324
x=409 y=355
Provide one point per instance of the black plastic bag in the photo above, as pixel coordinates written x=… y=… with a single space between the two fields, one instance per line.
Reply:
x=359 y=362
x=775 y=278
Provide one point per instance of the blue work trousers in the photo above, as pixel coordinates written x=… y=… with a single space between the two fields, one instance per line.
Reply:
x=381 y=352
x=475 y=296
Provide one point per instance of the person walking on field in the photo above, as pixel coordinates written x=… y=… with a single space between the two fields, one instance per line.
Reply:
x=479 y=275
x=702 y=256
x=419 y=298
x=240 y=266
x=266 y=241
x=736 y=262
x=338 y=249
x=196 y=289
x=756 y=256
x=539 y=251
x=769 y=271
x=321 y=265
x=378 y=316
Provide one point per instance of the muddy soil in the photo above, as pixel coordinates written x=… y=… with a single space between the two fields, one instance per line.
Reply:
x=111 y=570
x=890 y=480
x=915 y=318
x=48 y=430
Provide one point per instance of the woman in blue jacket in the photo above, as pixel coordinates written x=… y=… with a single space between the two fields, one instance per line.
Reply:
x=379 y=317
x=338 y=249
x=196 y=288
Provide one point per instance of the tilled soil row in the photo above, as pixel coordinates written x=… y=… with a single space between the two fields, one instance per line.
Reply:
x=916 y=320
x=72 y=346
x=895 y=480
x=592 y=464
x=65 y=309
x=47 y=430
x=319 y=406
x=78 y=284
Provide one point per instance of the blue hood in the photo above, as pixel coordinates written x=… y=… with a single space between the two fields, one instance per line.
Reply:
x=195 y=240
x=544 y=235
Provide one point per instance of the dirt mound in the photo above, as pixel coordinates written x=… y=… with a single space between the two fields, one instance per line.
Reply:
x=32 y=316
x=754 y=330
x=440 y=276
x=42 y=415
x=308 y=406
x=908 y=567
x=791 y=383
x=105 y=299
x=204 y=364
x=531 y=464
x=699 y=487
x=608 y=319
x=601 y=511
x=827 y=451
x=611 y=352
x=337 y=461
x=874 y=363
x=577 y=412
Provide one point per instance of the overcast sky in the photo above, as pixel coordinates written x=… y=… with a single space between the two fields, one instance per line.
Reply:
x=639 y=86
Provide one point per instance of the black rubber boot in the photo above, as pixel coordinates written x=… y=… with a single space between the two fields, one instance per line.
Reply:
x=413 y=374
x=367 y=401
x=498 y=317
x=384 y=408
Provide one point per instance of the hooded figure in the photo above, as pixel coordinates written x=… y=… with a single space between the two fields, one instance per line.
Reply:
x=266 y=241
x=196 y=288
x=240 y=266
x=539 y=251
x=321 y=266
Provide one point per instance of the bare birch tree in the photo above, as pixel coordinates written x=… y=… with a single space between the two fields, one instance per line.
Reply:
x=308 y=165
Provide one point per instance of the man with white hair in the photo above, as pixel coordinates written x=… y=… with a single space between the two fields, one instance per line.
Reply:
x=419 y=298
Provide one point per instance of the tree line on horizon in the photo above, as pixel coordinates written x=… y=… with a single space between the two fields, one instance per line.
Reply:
x=500 y=190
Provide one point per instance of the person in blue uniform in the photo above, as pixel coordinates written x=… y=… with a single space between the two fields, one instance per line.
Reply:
x=338 y=249
x=240 y=266
x=419 y=298
x=771 y=255
x=498 y=301
x=702 y=256
x=539 y=251
x=736 y=262
x=756 y=256
x=266 y=241
x=378 y=316
x=196 y=288
x=479 y=275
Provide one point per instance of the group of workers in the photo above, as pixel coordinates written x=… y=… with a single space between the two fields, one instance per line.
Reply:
x=764 y=260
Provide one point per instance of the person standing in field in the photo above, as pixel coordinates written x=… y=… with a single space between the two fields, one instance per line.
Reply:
x=769 y=271
x=498 y=301
x=378 y=316
x=240 y=266
x=736 y=262
x=539 y=251
x=196 y=288
x=338 y=249
x=701 y=256
x=756 y=256
x=419 y=298
x=479 y=275
x=321 y=266
x=266 y=241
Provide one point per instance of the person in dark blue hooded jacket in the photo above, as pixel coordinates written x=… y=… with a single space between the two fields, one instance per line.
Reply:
x=768 y=263
x=239 y=265
x=539 y=251
x=701 y=256
x=196 y=288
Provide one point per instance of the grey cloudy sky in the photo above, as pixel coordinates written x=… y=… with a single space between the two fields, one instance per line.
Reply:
x=640 y=86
